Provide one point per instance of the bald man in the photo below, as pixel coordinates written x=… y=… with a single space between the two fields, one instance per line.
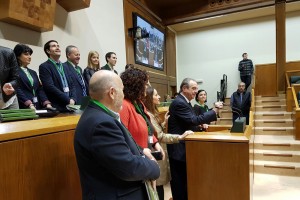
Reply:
x=111 y=165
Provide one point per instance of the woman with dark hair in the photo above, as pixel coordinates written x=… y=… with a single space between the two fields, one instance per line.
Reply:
x=151 y=102
x=201 y=99
x=134 y=114
x=30 y=92
x=201 y=107
x=92 y=66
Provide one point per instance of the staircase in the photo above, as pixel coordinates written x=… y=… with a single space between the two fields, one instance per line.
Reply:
x=275 y=149
x=225 y=114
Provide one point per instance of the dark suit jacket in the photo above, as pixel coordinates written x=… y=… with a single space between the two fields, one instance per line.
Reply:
x=183 y=118
x=53 y=86
x=25 y=89
x=76 y=81
x=110 y=164
x=87 y=74
x=106 y=67
x=8 y=70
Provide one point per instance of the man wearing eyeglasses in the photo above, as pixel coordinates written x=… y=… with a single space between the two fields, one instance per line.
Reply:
x=111 y=61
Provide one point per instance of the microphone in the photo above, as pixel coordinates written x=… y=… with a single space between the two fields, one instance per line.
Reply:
x=237 y=110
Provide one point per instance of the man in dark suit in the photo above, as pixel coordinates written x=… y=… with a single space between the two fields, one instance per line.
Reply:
x=8 y=79
x=111 y=61
x=110 y=163
x=79 y=84
x=55 y=78
x=240 y=103
x=183 y=118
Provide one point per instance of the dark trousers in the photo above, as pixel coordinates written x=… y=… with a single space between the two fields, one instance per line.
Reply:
x=179 y=179
x=160 y=192
x=246 y=80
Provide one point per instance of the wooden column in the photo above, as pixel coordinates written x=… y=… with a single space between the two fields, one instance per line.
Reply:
x=280 y=43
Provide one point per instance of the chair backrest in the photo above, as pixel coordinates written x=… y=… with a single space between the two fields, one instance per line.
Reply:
x=295 y=79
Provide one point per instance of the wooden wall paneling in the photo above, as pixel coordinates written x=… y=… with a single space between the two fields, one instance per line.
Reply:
x=74 y=4
x=36 y=15
x=157 y=77
x=40 y=167
x=297 y=124
x=218 y=170
x=266 y=80
x=171 y=52
x=294 y=65
x=280 y=43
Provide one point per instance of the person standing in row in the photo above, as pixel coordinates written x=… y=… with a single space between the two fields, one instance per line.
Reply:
x=92 y=66
x=30 y=91
x=73 y=58
x=8 y=79
x=246 y=70
x=56 y=78
x=111 y=61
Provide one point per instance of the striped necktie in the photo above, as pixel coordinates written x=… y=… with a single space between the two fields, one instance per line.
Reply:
x=84 y=93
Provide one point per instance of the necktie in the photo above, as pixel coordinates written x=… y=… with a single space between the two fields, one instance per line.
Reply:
x=241 y=97
x=81 y=81
x=190 y=104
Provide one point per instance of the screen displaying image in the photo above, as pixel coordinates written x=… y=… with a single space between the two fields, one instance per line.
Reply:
x=149 y=51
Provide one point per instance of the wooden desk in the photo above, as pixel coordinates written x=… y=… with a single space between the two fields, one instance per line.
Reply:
x=38 y=160
x=218 y=165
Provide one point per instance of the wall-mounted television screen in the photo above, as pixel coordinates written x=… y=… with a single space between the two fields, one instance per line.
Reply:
x=149 y=51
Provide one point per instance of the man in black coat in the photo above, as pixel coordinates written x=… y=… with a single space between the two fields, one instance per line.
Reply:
x=111 y=165
x=183 y=118
x=8 y=79
x=240 y=103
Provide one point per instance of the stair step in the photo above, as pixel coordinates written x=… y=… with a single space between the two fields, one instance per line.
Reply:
x=275 y=155
x=270 y=98
x=227 y=100
x=273 y=130
x=224 y=121
x=270 y=102
x=225 y=114
x=272 y=115
x=271 y=142
x=273 y=123
x=271 y=108
x=280 y=168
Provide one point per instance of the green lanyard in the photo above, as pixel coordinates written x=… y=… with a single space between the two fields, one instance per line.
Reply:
x=114 y=116
x=29 y=78
x=144 y=116
x=61 y=72
x=76 y=68
x=102 y=106
x=60 y=69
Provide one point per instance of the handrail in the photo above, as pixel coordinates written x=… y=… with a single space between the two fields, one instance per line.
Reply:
x=223 y=89
x=295 y=98
x=287 y=76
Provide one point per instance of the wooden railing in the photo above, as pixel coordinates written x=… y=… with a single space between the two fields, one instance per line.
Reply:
x=292 y=104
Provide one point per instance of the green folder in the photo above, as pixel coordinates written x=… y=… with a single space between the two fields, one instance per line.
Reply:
x=18 y=118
